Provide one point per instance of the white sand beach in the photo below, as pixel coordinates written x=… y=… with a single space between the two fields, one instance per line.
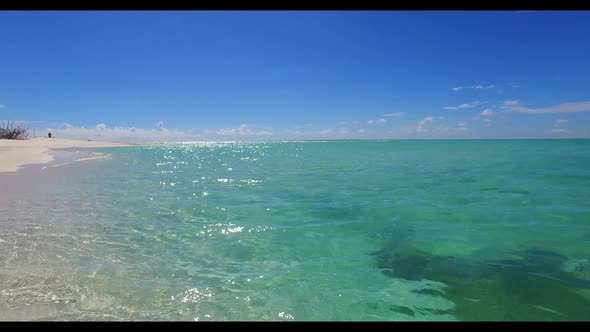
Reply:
x=14 y=153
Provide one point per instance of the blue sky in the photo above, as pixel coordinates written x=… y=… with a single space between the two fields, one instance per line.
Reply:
x=206 y=75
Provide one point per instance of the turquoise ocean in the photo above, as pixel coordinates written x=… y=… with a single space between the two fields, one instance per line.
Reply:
x=301 y=231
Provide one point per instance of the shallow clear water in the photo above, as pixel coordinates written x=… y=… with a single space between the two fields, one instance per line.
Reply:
x=355 y=230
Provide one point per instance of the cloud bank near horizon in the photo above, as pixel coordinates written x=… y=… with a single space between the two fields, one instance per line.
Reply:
x=160 y=134
x=121 y=134
x=473 y=122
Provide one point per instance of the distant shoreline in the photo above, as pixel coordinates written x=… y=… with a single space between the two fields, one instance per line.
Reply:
x=16 y=153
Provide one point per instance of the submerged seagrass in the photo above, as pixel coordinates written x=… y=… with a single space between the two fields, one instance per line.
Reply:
x=348 y=230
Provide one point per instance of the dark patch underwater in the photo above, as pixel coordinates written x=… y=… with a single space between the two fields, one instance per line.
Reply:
x=532 y=286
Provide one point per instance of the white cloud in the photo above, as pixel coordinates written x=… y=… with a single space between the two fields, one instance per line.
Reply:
x=487 y=112
x=460 y=126
x=560 y=130
x=242 y=130
x=2 y=106
x=514 y=84
x=473 y=87
x=380 y=120
x=450 y=129
x=121 y=134
x=511 y=102
x=325 y=131
x=330 y=131
x=488 y=121
x=466 y=105
x=557 y=126
x=394 y=114
x=558 y=122
x=422 y=125
x=560 y=108
x=160 y=124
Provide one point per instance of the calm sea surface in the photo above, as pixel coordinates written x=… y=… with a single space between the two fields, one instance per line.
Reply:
x=341 y=230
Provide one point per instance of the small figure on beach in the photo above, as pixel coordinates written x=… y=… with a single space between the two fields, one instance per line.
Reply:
x=49 y=135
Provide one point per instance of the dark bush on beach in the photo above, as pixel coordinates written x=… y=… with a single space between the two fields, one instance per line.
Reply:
x=10 y=130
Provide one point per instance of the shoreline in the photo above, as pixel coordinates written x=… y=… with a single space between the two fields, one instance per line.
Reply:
x=15 y=154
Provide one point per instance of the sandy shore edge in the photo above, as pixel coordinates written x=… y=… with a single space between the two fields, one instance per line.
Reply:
x=16 y=153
